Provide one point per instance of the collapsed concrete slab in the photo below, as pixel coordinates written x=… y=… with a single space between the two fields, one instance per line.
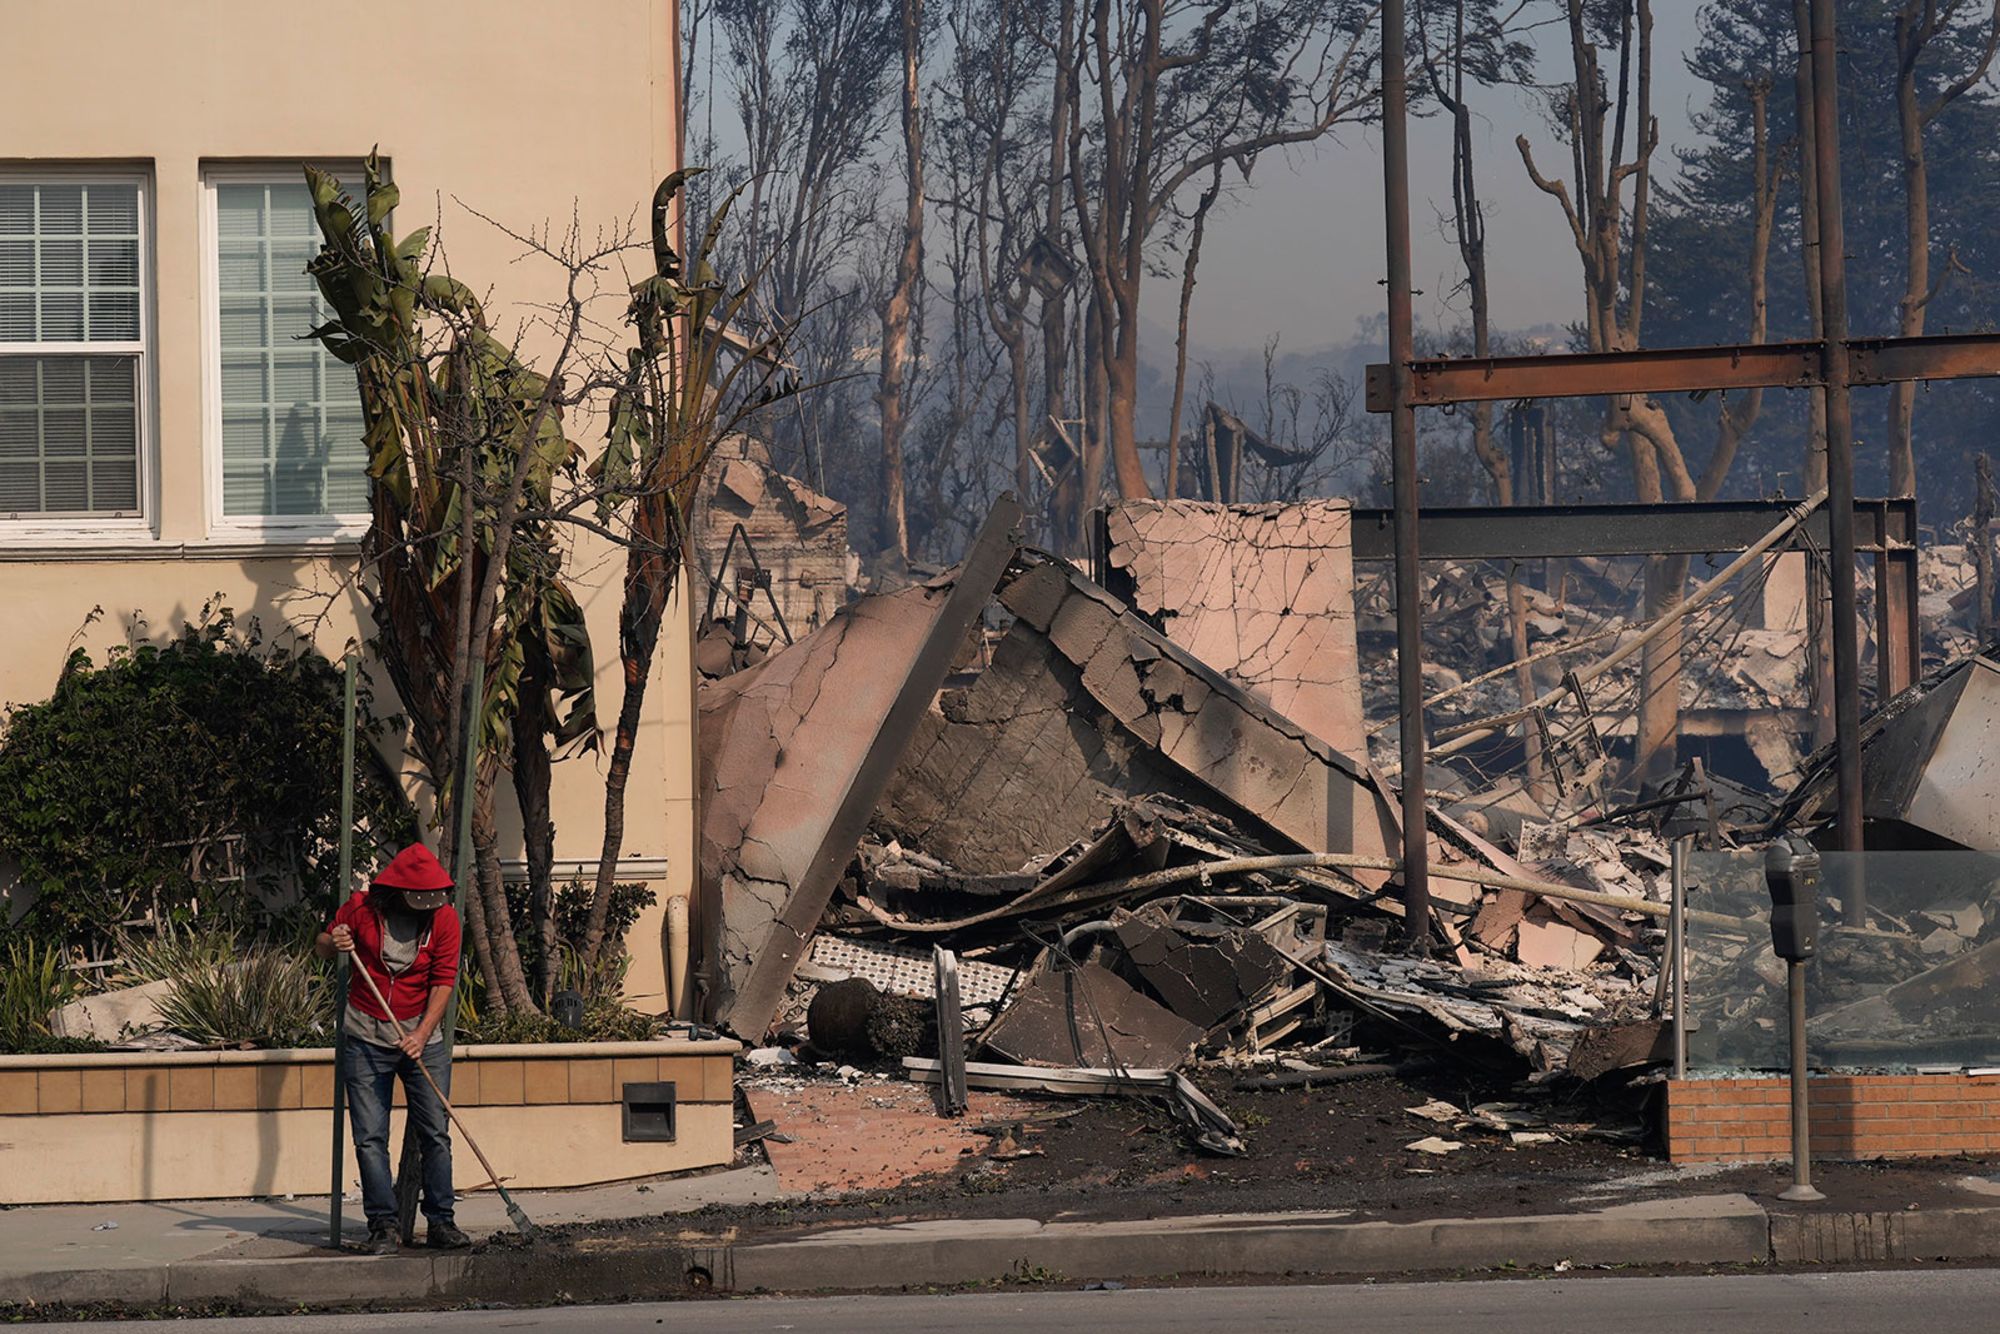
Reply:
x=795 y=753
x=1263 y=594
x=1086 y=705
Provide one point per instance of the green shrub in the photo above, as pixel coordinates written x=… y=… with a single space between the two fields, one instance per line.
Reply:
x=603 y=1021
x=109 y=786
x=224 y=994
x=34 y=984
x=571 y=910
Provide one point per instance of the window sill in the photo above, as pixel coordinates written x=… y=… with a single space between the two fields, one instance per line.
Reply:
x=59 y=549
x=289 y=533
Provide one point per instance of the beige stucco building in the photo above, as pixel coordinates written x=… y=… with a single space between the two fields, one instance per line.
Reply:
x=165 y=436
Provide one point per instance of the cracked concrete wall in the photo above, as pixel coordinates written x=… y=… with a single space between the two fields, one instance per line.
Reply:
x=780 y=744
x=1263 y=594
x=1085 y=704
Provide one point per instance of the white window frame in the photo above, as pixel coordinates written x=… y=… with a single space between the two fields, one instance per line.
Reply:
x=114 y=526
x=223 y=527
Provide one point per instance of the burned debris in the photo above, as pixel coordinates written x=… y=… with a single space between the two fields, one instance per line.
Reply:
x=1129 y=862
x=1017 y=828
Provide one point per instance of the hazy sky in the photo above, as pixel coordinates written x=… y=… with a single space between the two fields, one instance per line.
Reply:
x=1301 y=255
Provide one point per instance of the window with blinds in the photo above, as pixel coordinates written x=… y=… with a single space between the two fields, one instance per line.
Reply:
x=290 y=413
x=72 y=346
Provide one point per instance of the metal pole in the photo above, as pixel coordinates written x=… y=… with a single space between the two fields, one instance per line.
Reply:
x=1403 y=466
x=1677 y=953
x=463 y=865
x=463 y=868
x=340 y=891
x=1801 y=1188
x=1839 y=443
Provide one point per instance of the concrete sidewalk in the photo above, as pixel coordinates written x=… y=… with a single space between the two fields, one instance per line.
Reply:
x=125 y=1252
x=273 y=1254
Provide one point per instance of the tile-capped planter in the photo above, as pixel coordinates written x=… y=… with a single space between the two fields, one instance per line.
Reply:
x=110 y=1126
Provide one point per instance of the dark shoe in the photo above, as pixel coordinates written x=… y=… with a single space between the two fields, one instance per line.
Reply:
x=445 y=1237
x=382 y=1241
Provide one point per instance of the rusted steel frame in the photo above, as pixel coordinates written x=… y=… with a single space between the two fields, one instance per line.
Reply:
x=1695 y=528
x=1439 y=381
x=1834 y=373
x=1463 y=737
x=1876 y=361
x=1436 y=382
x=756 y=1002
x=1403 y=469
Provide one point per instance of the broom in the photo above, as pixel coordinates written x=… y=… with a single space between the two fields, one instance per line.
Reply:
x=515 y=1214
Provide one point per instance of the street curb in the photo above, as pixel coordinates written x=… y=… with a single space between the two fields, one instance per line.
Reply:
x=1728 y=1229
x=942 y=1254
x=1921 y=1234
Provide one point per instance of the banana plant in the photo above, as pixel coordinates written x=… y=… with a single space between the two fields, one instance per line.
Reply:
x=454 y=419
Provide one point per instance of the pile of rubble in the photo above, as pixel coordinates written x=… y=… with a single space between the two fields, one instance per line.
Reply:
x=1029 y=830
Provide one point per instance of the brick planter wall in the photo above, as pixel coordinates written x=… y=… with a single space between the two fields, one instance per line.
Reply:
x=1853 y=1116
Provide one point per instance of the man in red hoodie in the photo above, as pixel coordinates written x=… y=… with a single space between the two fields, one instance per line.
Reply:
x=405 y=932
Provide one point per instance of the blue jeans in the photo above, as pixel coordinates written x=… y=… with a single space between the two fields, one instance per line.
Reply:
x=371 y=1074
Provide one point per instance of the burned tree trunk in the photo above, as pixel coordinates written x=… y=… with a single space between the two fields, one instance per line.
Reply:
x=1919 y=24
x=898 y=314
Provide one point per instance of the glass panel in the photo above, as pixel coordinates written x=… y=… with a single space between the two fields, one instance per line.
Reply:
x=17 y=380
x=1906 y=989
x=66 y=486
x=240 y=266
x=114 y=210
x=295 y=376
x=19 y=429
x=20 y=487
x=290 y=412
x=114 y=317
x=64 y=433
x=243 y=378
x=62 y=317
x=62 y=379
x=60 y=210
x=17 y=263
x=112 y=432
x=111 y=379
x=288 y=267
x=62 y=263
x=17 y=209
x=114 y=263
x=17 y=317
x=246 y=489
x=114 y=484
x=292 y=213
x=69 y=435
x=239 y=211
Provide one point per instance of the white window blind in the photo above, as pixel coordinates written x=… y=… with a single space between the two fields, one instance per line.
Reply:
x=290 y=413
x=71 y=345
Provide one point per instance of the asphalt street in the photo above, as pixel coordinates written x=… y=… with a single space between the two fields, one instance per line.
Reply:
x=1844 y=1303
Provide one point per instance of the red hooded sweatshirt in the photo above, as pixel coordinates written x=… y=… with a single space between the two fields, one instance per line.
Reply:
x=409 y=991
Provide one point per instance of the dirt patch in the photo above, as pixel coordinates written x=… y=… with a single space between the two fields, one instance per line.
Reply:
x=872 y=1136
x=1340 y=1147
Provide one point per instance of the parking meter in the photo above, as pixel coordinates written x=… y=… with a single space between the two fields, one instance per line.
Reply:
x=1791 y=872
